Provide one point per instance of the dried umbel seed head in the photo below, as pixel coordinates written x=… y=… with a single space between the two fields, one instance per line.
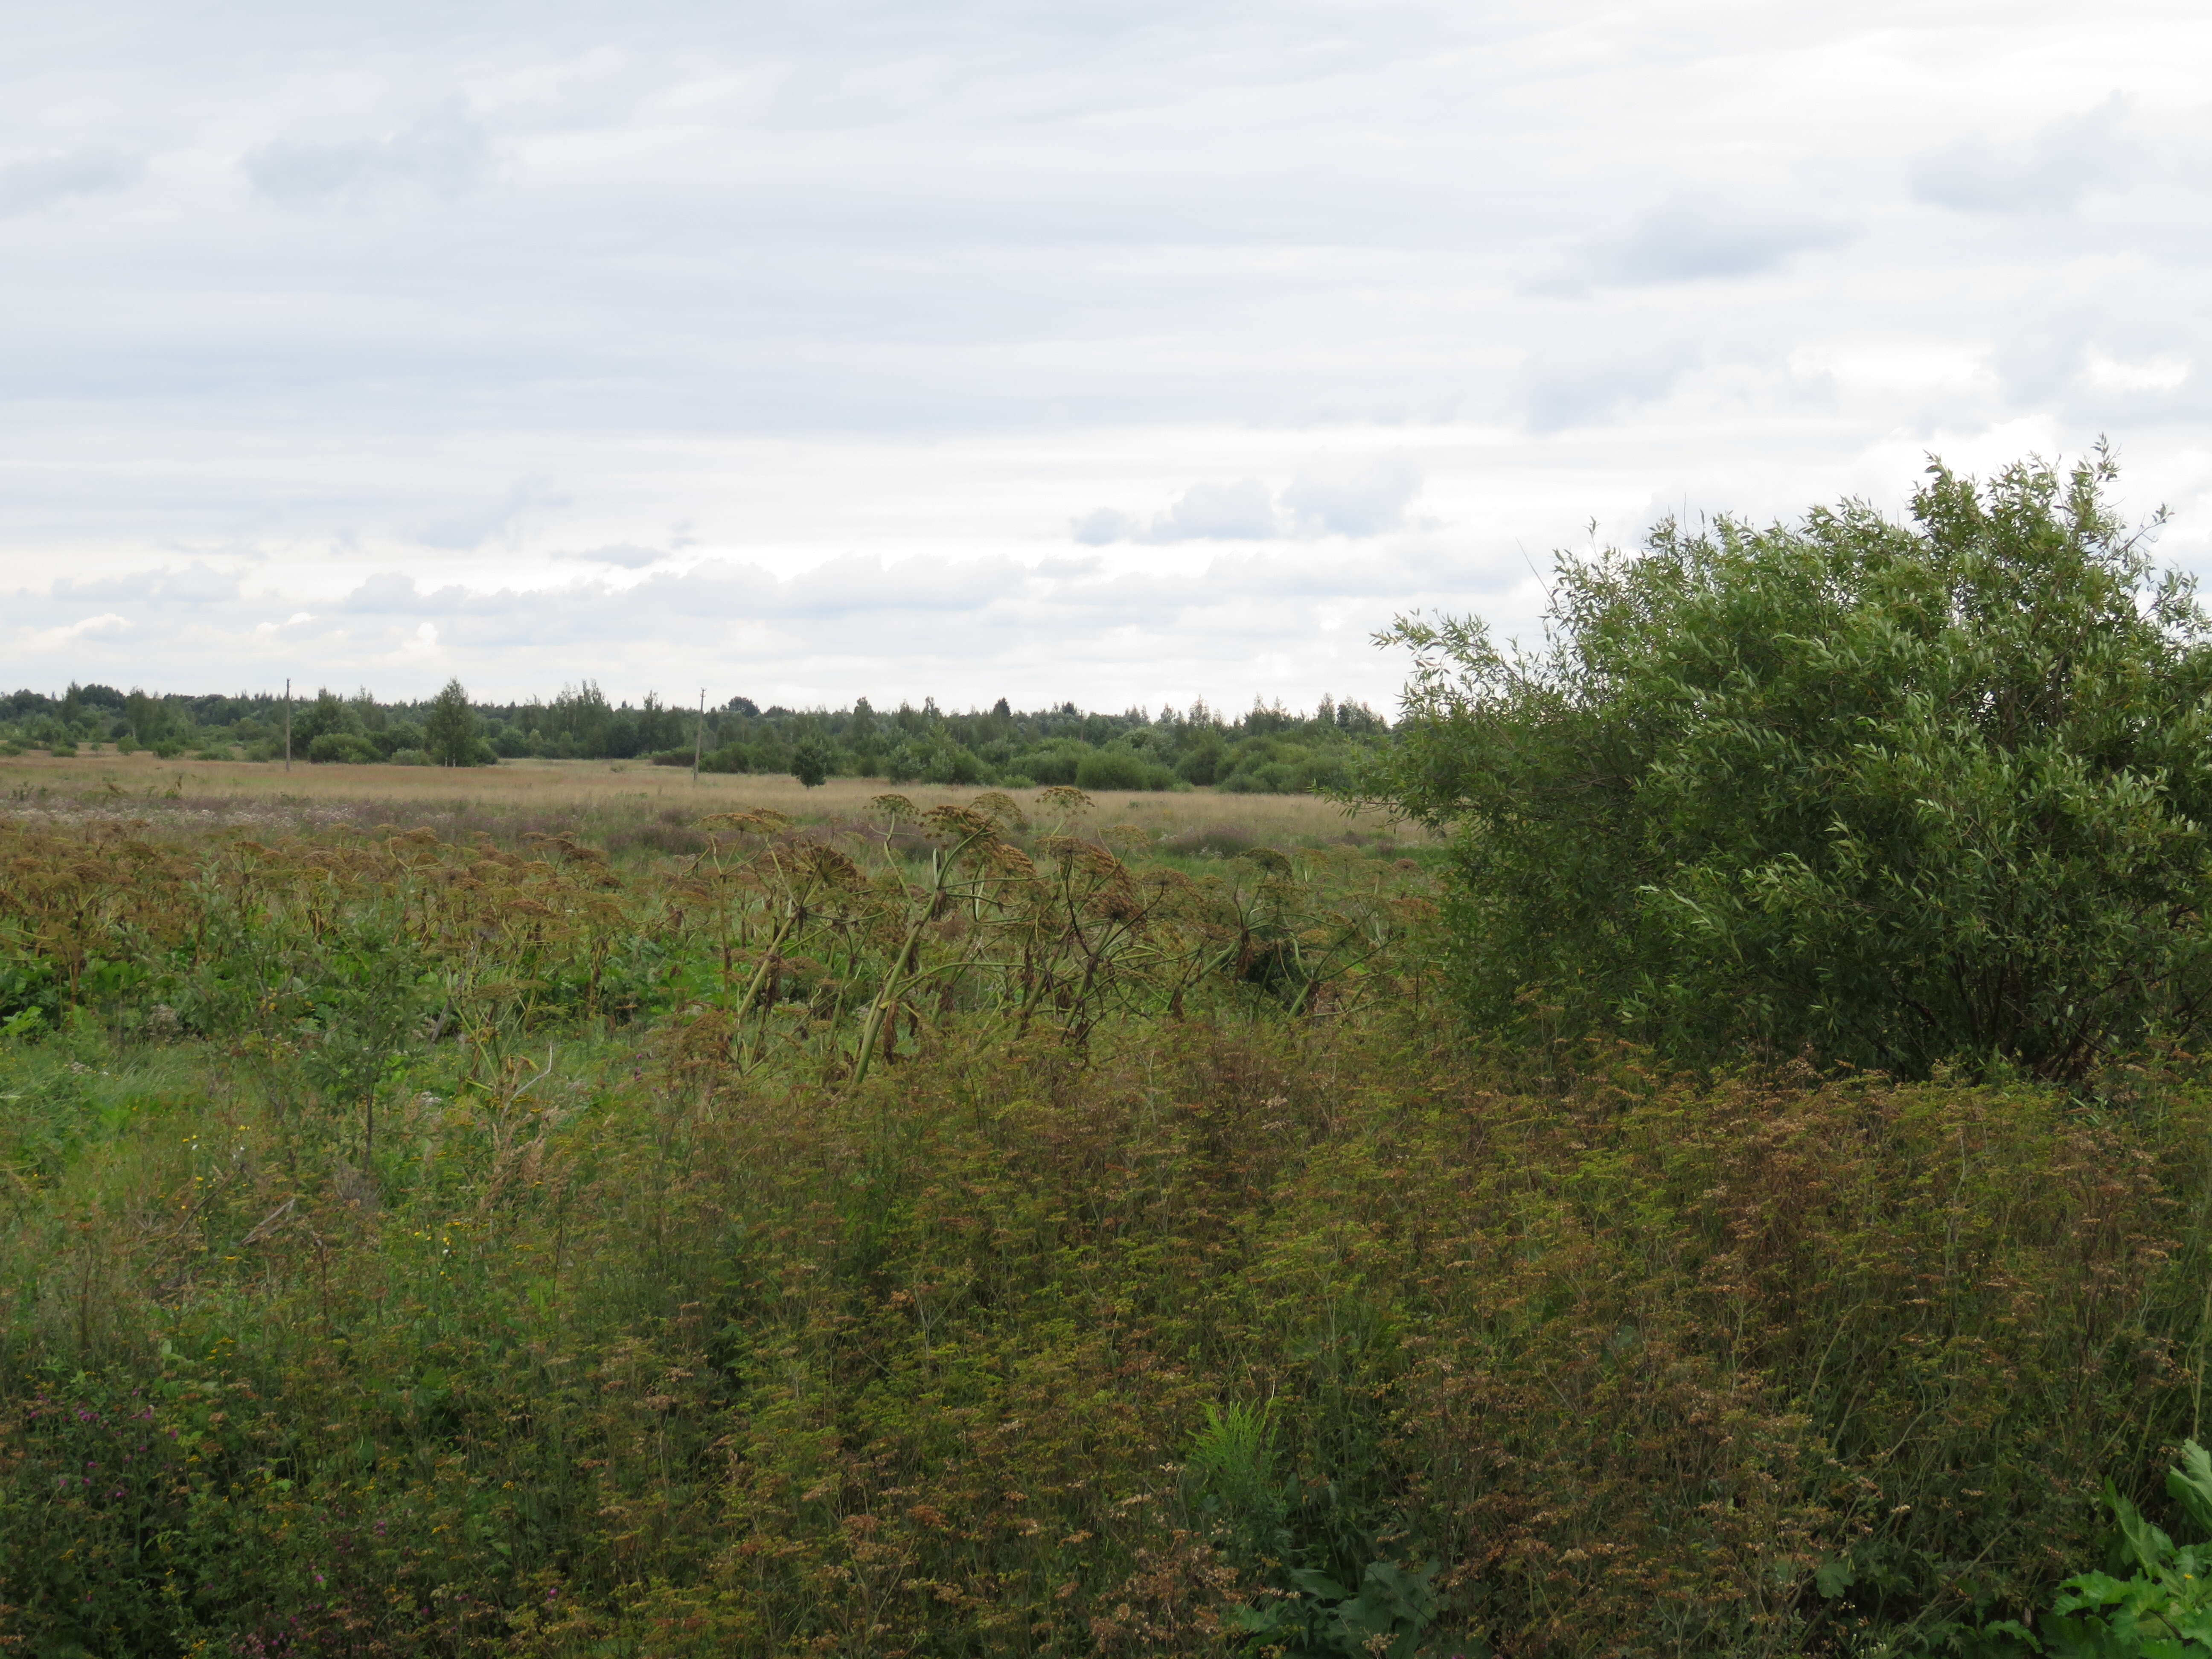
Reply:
x=897 y=808
x=1008 y=860
x=1002 y=808
x=1063 y=799
x=567 y=846
x=960 y=823
x=1071 y=852
x=831 y=865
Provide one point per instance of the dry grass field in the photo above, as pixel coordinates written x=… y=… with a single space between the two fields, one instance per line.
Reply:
x=600 y=796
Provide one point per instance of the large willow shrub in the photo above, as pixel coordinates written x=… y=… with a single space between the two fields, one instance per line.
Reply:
x=1891 y=795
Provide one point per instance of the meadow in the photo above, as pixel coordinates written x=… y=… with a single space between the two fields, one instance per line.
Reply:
x=557 y=1210
x=611 y=798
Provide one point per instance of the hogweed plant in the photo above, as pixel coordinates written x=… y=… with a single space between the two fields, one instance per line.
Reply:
x=2161 y=1609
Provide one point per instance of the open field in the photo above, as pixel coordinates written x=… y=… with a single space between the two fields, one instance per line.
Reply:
x=444 y=1221
x=612 y=795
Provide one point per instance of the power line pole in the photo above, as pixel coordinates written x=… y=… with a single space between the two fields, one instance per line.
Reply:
x=287 y=723
x=699 y=735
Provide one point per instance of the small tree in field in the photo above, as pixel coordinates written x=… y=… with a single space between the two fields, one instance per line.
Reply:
x=809 y=761
x=449 y=730
x=1882 y=793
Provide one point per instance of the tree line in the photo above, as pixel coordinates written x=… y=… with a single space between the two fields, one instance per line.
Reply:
x=1266 y=749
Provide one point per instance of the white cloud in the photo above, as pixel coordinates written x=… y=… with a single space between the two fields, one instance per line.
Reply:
x=1364 y=497
x=1896 y=367
x=42 y=640
x=31 y=182
x=446 y=152
x=621 y=555
x=526 y=501
x=2055 y=167
x=2110 y=373
x=788 y=345
x=1243 y=511
x=1690 y=239
x=1580 y=387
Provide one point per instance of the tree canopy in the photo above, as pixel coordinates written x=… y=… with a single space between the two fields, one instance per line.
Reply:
x=450 y=728
x=1884 y=794
x=1266 y=749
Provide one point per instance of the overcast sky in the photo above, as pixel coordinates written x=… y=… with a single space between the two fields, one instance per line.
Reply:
x=1122 y=353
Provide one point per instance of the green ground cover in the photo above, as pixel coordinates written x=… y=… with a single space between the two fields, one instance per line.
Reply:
x=422 y=1247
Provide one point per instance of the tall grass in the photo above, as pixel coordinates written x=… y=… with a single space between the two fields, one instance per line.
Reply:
x=628 y=1324
x=598 y=799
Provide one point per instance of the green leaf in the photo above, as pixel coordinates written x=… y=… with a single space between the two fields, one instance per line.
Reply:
x=1319 y=1583
x=2190 y=1485
x=2151 y=1547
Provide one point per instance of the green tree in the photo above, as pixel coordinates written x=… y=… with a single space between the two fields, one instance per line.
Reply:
x=328 y=714
x=449 y=730
x=811 y=759
x=1889 y=795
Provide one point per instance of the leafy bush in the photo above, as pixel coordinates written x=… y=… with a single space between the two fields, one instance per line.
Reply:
x=347 y=748
x=328 y=712
x=31 y=995
x=1118 y=768
x=932 y=757
x=1054 y=765
x=399 y=735
x=729 y=758
x=2161 y=1610
x=1889 y=795
x=1303 y=1612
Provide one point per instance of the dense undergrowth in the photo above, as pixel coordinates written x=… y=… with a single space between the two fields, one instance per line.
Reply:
x=989 y=1236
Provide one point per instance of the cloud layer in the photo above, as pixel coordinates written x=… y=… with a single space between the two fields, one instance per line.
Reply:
x=905 y=349
x=1365 y=498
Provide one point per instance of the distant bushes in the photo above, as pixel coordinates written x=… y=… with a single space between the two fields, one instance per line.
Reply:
x=347 y=748
x=357 y=749
x=1266 y=749
x=1115 y=768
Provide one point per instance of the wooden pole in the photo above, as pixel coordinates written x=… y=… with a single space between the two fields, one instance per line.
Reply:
x=699 y=735
x=287 y=723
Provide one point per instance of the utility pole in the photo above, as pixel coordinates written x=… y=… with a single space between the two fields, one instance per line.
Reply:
x=287 y=722
x=699 y=735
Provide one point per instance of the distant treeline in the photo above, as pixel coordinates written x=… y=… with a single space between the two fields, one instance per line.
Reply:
x=1268 y=749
